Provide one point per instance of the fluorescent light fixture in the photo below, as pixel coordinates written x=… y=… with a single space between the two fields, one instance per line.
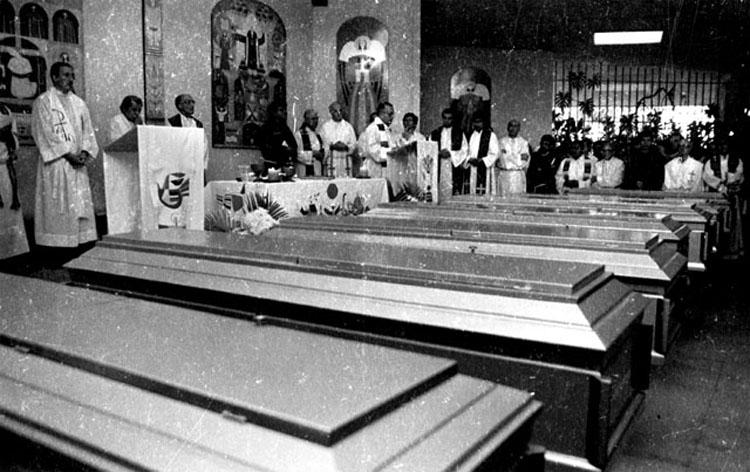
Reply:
x=628 y=37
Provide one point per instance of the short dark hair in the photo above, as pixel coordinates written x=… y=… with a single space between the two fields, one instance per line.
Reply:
x=446 y=110
x=382 y=105
x=54 y=71
x=412 y=116
x=130 y=100
x=179 y=98
x=547 y=138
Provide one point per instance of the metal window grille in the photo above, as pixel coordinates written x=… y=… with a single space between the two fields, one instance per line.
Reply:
x=597 y=91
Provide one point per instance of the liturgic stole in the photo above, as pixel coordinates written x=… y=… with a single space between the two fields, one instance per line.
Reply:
x=307 y=146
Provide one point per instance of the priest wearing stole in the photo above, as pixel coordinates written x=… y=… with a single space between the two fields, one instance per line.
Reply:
x=377 y=142
x=309 y=146
x=577 y=170
x=62 y=130
x=453 y=151
x=483 y=153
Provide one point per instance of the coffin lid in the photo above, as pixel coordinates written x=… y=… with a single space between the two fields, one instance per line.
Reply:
x=559 y=303
x=309 y=386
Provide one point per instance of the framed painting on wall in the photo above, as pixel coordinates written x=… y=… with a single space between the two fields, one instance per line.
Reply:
x=248 y=57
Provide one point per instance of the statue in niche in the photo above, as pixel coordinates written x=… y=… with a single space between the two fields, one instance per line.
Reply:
x=362 y=67
x=470 y=97
x=249 y=48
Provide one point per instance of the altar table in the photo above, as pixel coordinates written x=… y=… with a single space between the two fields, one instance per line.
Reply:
x=301 y=197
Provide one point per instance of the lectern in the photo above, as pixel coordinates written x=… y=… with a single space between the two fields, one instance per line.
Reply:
x=153 y=177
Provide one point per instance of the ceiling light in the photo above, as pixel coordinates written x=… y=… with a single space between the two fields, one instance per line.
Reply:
x=628 y=37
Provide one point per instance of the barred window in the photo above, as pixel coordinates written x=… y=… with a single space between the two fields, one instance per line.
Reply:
x=625 y=98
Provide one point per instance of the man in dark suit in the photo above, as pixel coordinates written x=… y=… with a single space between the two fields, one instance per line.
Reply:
x=185 y=104
x=184 y=119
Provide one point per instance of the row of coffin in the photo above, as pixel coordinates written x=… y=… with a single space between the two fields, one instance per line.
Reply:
x=535 y=293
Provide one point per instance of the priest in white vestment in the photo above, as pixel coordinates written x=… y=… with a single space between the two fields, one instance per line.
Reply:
x=62 y=130
x=684 y=173
x=577 y=169
x=609 y=170
x=483 y=154
x=339 y=142
x=377 y=142
x=514 y=158
x=453 y=151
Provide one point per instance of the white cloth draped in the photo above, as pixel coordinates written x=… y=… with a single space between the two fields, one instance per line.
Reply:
x=64 y=213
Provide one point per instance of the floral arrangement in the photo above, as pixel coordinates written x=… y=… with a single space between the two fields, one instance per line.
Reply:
x=253 y=213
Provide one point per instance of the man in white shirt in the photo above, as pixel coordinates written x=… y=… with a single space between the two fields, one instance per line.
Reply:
x=513 y=161
x=683 y=173
x=339 y=143
x=309 y=146
x=453 y=151
x=377 y=141
x=577 y=169
x=128 y=118
x=483 y=153
x=410 y=133
x=609 y=170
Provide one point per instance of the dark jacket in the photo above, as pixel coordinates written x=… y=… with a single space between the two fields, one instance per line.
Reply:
x=177 y=122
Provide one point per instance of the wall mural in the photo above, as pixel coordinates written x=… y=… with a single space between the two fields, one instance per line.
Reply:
x=153 y=62
x=33 y=36
x=471 y=90
x=248 y=52
x=362 y=81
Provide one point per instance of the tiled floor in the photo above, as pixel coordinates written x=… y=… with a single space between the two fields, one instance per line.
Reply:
x=696 y=415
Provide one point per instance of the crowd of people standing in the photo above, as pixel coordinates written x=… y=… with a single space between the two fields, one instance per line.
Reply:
x=480 y=161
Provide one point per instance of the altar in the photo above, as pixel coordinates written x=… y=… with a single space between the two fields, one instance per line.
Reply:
x=296 y=198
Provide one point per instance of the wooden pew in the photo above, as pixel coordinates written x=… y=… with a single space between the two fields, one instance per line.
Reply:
x=94 y=381
x=569 y=332
x=651 y=265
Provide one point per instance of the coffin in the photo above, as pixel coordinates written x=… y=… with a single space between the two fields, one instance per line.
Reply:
x=97 y=380
x=674 y=233
x=699 y=243
x=649 y=264
x=569 y=332
x=714 y=207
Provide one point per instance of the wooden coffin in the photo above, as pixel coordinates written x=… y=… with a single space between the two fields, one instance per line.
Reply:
x=674 y=233
x=712 y=206
x=698 y=252
x=569 y=332
x=113 y=383
x=644 y=261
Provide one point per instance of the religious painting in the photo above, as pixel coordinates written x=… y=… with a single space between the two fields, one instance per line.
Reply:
x=33 y=36
x=362 y=81
x=153 y=57
x=248 y=51
x=471 y=90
